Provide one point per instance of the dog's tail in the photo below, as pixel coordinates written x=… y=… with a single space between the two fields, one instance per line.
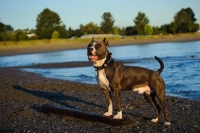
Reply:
x=161 y=64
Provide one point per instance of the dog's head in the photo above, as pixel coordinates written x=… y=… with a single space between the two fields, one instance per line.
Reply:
x=97 y=50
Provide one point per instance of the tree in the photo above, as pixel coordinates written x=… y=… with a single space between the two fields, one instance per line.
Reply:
x=2 y=27
x=62 y=31
x=185 y=20
x=116 y=30
x=189 y=25
x=163 y=29
x=156 y=30
x=22 y=37
x=107 y=23
x=122 y=31
x=190 y=14
x=55 y=35
x=8 y=28
x=148 y=29
x=47 y=22
x=7 y=36
x=196 y=27
x=181 y=18
x=140 y=21
x=173 y=27
x=19 y=34
x=5 y=32
x=130 y=30
x=70 y=32
x=89 y=28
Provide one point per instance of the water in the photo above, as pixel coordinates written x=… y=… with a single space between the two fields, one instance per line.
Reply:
x=181 y=59
x=51 y=57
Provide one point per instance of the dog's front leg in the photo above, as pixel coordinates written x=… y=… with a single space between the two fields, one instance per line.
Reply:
x=109 y=103
x=119 y=104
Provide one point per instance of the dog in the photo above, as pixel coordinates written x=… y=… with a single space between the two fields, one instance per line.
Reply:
x=113 y=76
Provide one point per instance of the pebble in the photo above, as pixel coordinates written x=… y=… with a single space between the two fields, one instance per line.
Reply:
x=22 y=94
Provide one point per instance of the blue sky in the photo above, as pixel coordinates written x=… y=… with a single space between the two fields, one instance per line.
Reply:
x=22 y=14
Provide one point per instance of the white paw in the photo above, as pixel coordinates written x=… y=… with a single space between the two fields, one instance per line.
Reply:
x=167 y=123
x=107 y=114
x=118 y=115
x=154 y=120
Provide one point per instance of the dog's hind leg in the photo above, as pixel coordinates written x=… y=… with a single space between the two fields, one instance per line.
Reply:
x=165 y=111
x=151 y=99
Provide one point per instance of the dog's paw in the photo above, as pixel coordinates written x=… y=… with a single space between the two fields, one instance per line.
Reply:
x=107 y=114
x=118 y=115
x=167 y=123
x=154 y=120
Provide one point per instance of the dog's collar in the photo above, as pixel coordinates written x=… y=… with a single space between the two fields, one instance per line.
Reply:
x=105 y=64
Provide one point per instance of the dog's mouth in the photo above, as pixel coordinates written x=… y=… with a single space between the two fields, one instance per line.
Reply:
x=92 y=57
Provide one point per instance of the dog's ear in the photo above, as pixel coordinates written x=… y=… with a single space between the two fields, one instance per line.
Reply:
x=106 y=42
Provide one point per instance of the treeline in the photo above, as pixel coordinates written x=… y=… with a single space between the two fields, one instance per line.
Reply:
x=50 y=26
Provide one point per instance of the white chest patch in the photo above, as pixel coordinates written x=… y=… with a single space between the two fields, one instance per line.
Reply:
x=102 y=79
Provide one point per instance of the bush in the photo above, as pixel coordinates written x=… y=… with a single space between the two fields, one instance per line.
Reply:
x=55 y=35
x=7 y=36
x=148 y=29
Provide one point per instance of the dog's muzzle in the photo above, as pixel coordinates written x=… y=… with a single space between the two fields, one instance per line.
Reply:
x=91 y=55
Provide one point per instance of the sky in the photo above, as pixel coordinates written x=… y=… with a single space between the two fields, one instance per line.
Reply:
x=22 y=14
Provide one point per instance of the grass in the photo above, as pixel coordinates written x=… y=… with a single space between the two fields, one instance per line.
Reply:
x=32 y=43
x=160 y=36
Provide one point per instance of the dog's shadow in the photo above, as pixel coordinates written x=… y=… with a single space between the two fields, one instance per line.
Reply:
x=56 y=97
x=60 y=98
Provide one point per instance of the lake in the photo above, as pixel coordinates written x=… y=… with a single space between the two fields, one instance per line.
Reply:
x=181 y=59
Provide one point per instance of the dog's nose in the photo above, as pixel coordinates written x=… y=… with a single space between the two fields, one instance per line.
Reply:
x=90 y=49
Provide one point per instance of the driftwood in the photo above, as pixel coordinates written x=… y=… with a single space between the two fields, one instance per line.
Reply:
x=47 y=108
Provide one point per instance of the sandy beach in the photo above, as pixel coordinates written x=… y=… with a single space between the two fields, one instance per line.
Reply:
x=59 y=47
x=22 y=95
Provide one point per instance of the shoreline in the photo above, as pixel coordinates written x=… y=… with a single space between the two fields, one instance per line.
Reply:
x=8 y=51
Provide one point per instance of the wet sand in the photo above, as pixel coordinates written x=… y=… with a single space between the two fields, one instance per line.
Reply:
x=22 y=95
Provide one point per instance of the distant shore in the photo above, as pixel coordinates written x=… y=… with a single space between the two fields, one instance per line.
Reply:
x=7 y=51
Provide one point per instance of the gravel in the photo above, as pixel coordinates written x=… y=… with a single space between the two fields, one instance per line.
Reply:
x=22 y=94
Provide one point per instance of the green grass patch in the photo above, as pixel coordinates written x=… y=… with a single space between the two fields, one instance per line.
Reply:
x=32 y=43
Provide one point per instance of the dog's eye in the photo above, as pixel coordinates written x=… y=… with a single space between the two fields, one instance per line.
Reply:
x=98 y=46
